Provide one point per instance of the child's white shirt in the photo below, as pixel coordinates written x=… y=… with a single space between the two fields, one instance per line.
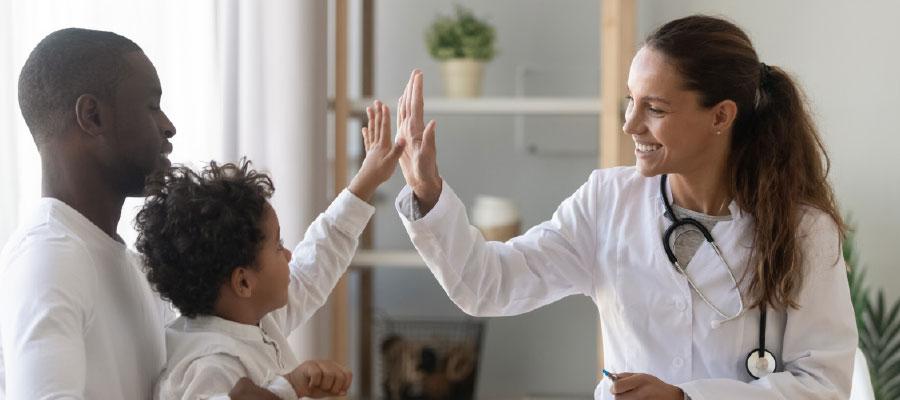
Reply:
x=208 y=355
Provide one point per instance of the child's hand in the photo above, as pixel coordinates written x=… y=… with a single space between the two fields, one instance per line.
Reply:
x=320 y=378
x=381 y=153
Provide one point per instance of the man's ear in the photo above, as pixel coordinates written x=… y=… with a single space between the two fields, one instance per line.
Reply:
x=90 y=115
x=243 y=281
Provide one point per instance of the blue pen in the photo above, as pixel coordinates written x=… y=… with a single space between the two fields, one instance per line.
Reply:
x=610 y=375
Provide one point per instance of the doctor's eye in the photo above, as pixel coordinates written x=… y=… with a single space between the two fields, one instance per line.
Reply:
x=656 y=112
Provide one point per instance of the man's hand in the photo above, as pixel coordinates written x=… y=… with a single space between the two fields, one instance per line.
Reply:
x=320 y=378
x=381 y=155
x=630 y=386
x=244 y=389
x=419 y=159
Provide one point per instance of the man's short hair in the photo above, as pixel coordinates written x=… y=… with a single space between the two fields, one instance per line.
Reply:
x=63 y=66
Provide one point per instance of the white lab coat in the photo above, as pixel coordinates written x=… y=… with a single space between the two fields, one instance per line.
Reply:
x=605 y=242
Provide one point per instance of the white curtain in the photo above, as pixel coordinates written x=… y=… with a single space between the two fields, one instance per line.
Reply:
x=274 y=76
x=239 y=77
x=180 y=38
x=9 y=170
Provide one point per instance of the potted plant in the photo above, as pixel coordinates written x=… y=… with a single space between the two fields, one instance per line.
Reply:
x=462 y=44
x=878 y=322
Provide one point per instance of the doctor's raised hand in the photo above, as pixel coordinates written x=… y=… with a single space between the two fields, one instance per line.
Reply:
x=419 y=159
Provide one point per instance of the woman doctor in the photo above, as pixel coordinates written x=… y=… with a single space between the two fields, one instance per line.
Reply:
x=715 y=262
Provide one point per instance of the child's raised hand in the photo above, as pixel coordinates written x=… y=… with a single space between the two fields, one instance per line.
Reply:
x=381 y=152
x=320 y=378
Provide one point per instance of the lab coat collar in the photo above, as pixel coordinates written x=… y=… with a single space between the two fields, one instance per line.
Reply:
x=733 y=208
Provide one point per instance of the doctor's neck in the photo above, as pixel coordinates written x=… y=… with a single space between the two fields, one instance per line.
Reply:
x=704 y=191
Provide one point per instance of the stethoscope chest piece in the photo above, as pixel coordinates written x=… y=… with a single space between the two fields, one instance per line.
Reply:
x=760 y=366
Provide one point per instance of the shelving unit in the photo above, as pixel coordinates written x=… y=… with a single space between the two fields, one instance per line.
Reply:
x=495 y=106
x=404 y=259
x=617 y=40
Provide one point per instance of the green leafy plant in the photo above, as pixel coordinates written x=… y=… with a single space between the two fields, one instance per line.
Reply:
x=462 y=36
x=879 y=328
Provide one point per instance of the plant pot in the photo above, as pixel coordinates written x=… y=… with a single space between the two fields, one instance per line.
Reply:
x=462 y=77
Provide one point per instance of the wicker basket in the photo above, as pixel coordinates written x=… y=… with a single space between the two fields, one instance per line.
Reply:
x=423 y=359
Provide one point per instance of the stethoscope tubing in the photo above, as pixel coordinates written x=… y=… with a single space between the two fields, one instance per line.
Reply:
x=760 y=352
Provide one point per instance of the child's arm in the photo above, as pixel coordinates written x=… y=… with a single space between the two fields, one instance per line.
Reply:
x=219 y=377
x=331 y=240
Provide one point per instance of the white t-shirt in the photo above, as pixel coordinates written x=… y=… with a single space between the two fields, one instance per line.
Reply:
x=78 y=319
x=207 y=355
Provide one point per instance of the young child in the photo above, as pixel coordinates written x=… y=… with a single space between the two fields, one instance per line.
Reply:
x=211 y=244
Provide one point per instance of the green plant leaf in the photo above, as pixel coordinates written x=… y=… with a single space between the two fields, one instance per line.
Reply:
x=878 y=324
x=461 y=36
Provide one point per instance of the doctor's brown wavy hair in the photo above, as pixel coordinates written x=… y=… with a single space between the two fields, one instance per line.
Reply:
x=777 y=163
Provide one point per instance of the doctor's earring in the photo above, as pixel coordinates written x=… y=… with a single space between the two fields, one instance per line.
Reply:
x=718 y=132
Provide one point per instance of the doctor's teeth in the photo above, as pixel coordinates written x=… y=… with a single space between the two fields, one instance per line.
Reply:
x=647 y=147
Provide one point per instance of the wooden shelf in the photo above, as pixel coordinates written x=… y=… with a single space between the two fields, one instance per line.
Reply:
x=493 y=106
x=617 y=39
x=402 y=259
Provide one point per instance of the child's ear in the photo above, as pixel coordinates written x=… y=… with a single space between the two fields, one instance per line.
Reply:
x=243 y=281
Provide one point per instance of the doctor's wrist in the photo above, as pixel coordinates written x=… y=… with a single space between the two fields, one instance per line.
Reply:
x=427 y=194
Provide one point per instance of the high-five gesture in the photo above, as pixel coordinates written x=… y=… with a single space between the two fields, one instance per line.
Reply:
x=419 y=159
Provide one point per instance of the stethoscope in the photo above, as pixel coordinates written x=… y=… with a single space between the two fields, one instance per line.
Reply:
x=760 y=362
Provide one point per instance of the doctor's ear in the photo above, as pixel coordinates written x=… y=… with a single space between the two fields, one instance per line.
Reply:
x=243 y=281
x=723 y=114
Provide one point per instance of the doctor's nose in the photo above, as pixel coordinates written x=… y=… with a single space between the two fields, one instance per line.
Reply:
x=631 y=125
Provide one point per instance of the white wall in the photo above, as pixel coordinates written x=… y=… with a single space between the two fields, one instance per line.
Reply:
x=845 y=56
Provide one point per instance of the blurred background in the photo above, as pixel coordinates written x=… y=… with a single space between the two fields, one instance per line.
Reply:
x=267 y=79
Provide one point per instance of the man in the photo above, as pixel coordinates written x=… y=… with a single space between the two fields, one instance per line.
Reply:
x=78 y=319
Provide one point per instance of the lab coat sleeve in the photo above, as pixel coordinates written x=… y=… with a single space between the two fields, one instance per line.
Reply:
x=552 y=260
x=322 y=257
x=820 y=338
x=45 y=307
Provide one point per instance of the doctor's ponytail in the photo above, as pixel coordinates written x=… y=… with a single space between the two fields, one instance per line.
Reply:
x=777 y=163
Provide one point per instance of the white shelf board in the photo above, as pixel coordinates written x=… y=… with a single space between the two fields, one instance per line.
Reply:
x=406 y=259
x=493 y=105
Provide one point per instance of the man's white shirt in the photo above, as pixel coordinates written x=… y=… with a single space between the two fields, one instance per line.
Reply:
x=78 y=319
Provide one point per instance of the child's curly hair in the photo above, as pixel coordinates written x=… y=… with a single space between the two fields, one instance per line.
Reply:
x=196 y=228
